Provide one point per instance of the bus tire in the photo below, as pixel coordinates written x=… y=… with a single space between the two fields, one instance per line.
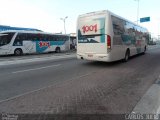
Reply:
x=58 y=50
x=18 y=52
x=127 y=55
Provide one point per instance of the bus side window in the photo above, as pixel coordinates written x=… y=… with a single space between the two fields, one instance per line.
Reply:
x=53 y=38
x=40 y=37
x=58 y=38
x=49 y=38
x=45 y=37
x=28 y=37
x=32 y=37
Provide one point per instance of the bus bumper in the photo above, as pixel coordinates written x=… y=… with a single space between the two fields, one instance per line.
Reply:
x=95 y=57
x=3 y=52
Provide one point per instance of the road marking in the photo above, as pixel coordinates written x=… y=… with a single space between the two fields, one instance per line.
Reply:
x=35 y=69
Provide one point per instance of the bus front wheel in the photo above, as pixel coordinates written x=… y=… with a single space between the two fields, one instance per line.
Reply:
x=18 y=52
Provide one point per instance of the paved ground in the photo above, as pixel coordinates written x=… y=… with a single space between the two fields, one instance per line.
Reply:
x=90 y=94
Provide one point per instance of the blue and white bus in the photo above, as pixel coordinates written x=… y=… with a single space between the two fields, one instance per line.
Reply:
x=105 y=36
x=23 y=42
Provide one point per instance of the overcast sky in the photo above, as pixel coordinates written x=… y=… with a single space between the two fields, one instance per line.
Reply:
x=45 y=14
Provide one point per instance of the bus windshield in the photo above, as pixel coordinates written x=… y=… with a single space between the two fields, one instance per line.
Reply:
x=5 y=38
x=91 y=31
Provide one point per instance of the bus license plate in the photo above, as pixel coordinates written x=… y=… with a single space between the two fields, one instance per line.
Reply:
x=90 y=55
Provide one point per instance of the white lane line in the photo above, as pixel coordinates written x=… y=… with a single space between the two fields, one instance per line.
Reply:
x=36 y=68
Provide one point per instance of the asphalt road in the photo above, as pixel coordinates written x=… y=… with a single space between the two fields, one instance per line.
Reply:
x=16 y=79
x=90 y=87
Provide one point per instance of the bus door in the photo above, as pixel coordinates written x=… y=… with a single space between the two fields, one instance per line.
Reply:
x=29 y=46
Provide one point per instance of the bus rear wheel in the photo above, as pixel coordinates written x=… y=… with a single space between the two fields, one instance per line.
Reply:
x=18 y=52
x=127 y=55
x=58 y=50
x=144 y=50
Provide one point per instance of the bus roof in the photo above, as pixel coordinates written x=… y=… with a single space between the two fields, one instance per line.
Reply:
x=102 y=12
x=36 y=32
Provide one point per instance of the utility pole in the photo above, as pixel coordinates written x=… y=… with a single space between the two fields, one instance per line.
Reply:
x=64 y=19
x=137 y=11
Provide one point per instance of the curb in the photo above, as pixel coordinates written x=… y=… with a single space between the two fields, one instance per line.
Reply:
x=150 y=102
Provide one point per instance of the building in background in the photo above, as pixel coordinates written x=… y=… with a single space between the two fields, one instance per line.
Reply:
x=4 y=28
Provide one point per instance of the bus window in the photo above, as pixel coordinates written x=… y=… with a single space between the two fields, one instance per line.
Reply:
x=118 y=29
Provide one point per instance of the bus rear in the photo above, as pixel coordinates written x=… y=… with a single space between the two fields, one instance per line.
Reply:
x=94 y=36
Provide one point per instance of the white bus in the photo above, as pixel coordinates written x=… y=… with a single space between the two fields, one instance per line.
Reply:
x=104 y=36
x=23 y=42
